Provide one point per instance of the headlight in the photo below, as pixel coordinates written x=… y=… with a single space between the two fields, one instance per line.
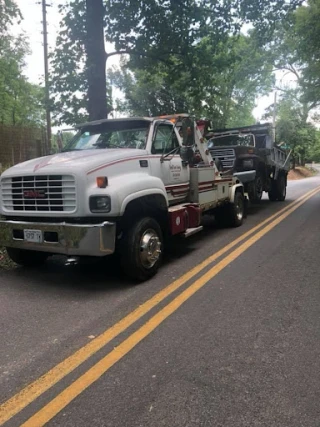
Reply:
x=247 y=164
x=100 y=204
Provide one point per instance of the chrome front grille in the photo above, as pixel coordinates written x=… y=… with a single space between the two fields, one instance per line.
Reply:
x=40 y=193
x=227 y=156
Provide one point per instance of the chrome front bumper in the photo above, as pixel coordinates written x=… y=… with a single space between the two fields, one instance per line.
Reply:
x=61 y=238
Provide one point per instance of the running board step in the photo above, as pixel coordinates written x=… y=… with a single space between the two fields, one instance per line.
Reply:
x=191 y=231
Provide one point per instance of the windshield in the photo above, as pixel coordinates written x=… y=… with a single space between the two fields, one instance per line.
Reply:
x=123 y=138
x=240 y=140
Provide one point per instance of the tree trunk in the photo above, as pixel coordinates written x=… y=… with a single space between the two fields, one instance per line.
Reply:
x=305 y=113
x=96 y=60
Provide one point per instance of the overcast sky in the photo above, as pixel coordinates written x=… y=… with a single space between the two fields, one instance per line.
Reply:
x=32 y=25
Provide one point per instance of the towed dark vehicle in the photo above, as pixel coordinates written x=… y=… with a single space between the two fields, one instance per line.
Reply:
x=251 y=154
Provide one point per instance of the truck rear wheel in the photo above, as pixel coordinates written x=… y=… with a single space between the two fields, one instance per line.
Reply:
x=278 y=190
x=273 y=193
x=235 y=211
x=27 y=258
x=281 y=189
x=141 y=249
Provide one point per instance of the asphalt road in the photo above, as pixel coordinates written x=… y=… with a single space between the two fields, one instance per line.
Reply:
x=236 y=343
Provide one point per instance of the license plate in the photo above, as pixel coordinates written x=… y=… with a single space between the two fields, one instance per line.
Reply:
x=33 y=236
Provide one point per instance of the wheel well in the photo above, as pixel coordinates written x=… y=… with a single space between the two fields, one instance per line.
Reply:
x=261 y=169
x=154 y=205
x=239 y=190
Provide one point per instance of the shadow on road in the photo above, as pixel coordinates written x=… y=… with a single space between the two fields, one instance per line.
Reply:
x=106 y=274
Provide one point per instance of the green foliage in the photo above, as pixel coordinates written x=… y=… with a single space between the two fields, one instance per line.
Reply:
x=149 y=93
x=179 y=39
x=293 y=129
x=9 y=13
x=314 y=151
x=68 y=79
x=63 y=138
x=221 y=85
x=296 y=50
x=307 y=45
x=20 y=101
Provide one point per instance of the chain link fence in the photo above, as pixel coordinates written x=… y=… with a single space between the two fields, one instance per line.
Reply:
x=19 y=143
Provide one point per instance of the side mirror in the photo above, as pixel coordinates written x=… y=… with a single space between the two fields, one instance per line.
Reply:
x=187 y=154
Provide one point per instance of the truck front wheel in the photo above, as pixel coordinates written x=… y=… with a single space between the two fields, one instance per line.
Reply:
x=27 y=258
x=256 y=189
x=235 y=211
x=141 y=249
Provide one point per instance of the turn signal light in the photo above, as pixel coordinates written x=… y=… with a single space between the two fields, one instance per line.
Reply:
x=102 y=181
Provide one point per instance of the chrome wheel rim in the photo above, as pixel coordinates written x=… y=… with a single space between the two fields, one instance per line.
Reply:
x=150 y=248
x=239 y=210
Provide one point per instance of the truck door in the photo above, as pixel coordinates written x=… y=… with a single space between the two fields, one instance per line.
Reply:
x=167 y=163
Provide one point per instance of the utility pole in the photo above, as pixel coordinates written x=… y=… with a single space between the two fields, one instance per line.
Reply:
x=274 y=115
x=46 y=73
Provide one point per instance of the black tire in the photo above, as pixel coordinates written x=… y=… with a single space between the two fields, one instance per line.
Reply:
x=137 y=263
x=220 y=215
x=272 y=193
x=278 y=190
x=281 y=188
x=235 y=211
x=27 y=258
x=256 y=189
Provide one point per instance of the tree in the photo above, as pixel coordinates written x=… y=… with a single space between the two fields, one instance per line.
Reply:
x=68 y=78
x=151 y=33
x=61 y=139
x=20 y=101
x=296 y=51
x=96 y=60
x=150 y=92
x=306 y=27
x=292 y=128
x=220 y=85
x=314 y=151
x=9 y=13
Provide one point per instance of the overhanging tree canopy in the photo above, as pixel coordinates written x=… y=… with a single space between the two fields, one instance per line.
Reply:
x=151 y=32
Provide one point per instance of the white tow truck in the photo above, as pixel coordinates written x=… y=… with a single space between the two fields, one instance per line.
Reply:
x=120 y=186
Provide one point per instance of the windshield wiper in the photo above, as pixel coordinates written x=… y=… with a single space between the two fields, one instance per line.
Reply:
x=67 y=150
x=102 y=147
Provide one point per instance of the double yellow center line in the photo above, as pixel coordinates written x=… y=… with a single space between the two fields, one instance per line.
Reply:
x=27 y=395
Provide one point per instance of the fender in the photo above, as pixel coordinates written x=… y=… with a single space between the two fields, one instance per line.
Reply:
x=247 y=176
x=136 y=185
x=140 y=194
x=234 y=189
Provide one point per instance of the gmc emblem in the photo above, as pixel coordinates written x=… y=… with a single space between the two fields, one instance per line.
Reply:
x=34 y=194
